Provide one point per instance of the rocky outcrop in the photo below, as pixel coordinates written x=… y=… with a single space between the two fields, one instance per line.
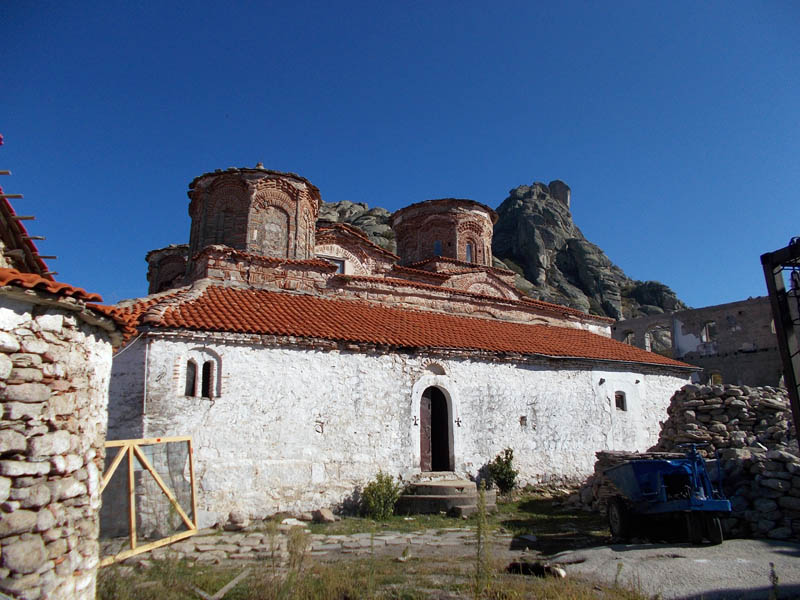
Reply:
x=536 y=238
x=535 y=231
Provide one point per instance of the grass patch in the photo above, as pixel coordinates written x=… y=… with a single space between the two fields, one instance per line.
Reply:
x=353 y=579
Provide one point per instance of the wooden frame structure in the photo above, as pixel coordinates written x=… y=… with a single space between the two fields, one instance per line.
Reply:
x=131 y=449
x=786 y=329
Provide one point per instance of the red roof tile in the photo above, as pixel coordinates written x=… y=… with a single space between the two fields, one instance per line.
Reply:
x=240 y=310
x=32 y=281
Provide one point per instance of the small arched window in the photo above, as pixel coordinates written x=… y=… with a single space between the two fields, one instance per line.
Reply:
x=629 y=337
x=620 y=401
x=437 y=248
x=203 y=374
x=208 y=370
x=191 y=378
x=469 y=252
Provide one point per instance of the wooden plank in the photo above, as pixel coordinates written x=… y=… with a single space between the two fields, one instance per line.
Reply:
x=147 y=547
x=148 y=441
x=131 y=499
x=191 y=479
x=108 y=474
x=146 y=464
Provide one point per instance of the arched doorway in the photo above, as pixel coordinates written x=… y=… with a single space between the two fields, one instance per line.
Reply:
x=435 y=439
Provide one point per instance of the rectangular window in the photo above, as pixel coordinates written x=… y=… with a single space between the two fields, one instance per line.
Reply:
x=437 y=248
x=619 y=401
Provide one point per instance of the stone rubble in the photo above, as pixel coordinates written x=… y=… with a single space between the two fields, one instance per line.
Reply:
x=752 y=432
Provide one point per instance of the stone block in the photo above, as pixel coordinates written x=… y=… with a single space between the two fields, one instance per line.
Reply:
x=5 y=488
x=17 y=468
x=45 y=521
x=11 y=441
x=38 y=495
x=780 y=485
x=50 y=322
x=764 y=504
x=34 y=346
x=8 y=343
x=5 y=366
x=26 y=375
x=49 y=444
x=324 y=515
x=25 y=361
x=20 y=521
x=780 y=533
x=790 y=502
x=24 y=556
x=28 y=392
x=26 y=585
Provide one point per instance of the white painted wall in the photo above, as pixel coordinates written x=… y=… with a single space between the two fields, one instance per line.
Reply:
x=299 y=429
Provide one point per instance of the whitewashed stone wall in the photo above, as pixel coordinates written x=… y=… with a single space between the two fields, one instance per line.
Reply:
x=296 y=429
x=54 y=376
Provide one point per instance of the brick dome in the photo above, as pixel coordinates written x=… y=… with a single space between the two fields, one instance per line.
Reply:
x=450 y=227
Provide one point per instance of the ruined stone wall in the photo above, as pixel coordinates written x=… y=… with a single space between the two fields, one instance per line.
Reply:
x=751 y=430
x=306 y=427
x=733 y=342
x=54 y=375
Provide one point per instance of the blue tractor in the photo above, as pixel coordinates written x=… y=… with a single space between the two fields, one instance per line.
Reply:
x=653 y=490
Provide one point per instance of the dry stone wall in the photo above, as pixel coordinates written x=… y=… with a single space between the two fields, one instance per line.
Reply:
x=751 y=430
x=54 y=374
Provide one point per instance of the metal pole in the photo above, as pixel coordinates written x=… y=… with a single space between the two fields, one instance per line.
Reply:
x=786 y=332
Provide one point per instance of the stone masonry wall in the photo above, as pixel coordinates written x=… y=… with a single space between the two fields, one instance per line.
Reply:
x=304 y=428
x=752 y=431
x=54 y=374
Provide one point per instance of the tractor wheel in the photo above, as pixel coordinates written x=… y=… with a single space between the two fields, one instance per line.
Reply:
x=713 y=530
x=695 y=527
x=619 y=519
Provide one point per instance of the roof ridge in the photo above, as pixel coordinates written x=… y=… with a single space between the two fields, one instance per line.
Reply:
x=155 y=313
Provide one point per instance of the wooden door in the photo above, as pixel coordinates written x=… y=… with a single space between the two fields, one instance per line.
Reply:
x=425 y=430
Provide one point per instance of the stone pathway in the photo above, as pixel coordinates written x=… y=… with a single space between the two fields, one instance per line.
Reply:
x=211 y=546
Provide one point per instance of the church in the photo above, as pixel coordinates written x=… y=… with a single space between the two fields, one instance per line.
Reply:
x=302 y=357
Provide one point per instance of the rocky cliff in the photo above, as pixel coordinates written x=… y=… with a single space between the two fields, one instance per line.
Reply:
x=536 y=238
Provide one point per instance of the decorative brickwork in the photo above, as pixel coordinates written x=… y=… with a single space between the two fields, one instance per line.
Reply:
x=449 y=227
x=261 y=212
x=166 y=267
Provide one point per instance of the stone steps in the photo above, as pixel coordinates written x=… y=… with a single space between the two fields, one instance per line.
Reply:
x=436 y=493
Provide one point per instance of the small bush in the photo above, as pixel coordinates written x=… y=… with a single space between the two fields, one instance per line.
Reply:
x=379 y=497
x=502 y=472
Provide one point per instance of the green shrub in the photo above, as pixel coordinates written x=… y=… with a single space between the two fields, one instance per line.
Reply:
x=379 y=496
x=502 y=471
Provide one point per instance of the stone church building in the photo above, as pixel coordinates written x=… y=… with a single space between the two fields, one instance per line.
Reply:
x=301 y=357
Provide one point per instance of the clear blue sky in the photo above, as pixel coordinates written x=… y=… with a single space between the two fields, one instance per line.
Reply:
x=676 y=124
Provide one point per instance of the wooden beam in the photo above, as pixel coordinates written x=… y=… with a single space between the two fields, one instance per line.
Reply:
x=12 y=196
x=22 y=217
x=5 y=172
x=107 y=475
x=105 y=561
x=131 y=498
x=147 y=441
x=191 y=479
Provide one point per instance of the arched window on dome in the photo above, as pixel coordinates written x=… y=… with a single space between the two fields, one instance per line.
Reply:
x=469 y=252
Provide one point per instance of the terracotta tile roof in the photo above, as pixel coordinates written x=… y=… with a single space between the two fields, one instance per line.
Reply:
x=31 y=281
x=247 y=310
x=18 y=236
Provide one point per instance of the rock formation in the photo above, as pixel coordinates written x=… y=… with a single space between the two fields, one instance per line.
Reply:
x=536 y=238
